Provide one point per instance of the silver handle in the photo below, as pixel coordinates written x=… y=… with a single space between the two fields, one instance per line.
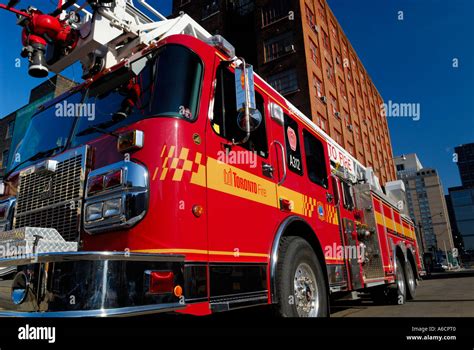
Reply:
x=283 y=157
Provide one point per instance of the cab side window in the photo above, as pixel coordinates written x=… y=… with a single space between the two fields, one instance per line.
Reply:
x=224 y=121
x=315 y=161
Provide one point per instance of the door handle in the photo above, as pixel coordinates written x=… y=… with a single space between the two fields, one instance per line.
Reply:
x=283 y=178
x=267 y=170
x=329 y=197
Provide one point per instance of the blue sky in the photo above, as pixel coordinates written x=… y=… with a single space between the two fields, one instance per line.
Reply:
x=410 y=61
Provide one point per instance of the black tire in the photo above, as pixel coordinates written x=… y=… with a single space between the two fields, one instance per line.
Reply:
x=410 y=281
x=393 y=294
x=298 y=265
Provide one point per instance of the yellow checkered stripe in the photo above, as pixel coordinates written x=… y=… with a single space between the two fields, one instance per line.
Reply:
x=175 y=164
x=309 y=203
x=331 y=215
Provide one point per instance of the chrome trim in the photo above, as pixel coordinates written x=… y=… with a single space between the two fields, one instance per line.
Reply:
x=31 y=205
x=91 y=256
x=134 y=189
x=124 y=311
x=81 y=284
x=283 y=157
x=8 y=221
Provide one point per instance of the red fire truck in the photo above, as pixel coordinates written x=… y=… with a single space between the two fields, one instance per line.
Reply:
x=175 y=180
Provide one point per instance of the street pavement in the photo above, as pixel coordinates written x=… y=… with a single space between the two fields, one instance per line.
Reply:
x=441 y=295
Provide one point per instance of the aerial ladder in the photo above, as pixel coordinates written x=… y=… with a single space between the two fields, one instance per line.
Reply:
x=97 y=33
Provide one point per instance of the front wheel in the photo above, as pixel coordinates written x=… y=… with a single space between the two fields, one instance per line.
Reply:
x=301 y=286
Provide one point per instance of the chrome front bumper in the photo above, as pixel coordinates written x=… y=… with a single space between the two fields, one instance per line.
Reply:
x=82 y=284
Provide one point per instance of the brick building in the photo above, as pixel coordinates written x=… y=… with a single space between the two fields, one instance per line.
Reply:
x=301 y=50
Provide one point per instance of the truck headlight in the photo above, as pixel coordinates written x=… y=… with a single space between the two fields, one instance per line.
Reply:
x=94 y=212
x=116 y=197
x=112 y=207
x=7 y=208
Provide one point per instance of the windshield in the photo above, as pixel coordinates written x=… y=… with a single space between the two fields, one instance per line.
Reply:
x=168 y=85
x=48 y=130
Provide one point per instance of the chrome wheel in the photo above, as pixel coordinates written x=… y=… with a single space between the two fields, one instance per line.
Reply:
x=306 y=291
x=410 y=278
x=400 y=280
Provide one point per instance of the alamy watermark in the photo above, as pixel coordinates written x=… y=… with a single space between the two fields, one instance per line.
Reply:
x=67 y=109
x=8 y=250
x=237 y=157
x=345 y=251
x=401 y=110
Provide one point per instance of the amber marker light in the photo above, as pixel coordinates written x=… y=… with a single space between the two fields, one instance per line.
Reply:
x=130 y=140
x=178 y=291
x=198 y=210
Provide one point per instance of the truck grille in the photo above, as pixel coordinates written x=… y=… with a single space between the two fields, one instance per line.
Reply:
x=52 y=199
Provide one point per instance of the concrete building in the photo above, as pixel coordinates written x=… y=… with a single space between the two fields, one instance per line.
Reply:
x=301 y=50
x=426 y=205
x=461 y=200
x=13 y=126
x=465 y=162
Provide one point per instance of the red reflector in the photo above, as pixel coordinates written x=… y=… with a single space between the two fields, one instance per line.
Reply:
x=113 y=179
x=161 y=282
x=95 y=184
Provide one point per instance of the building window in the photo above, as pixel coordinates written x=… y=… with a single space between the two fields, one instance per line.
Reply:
x=333 y=104
x=278 y=46
x=210 y=7
x=318 y=85
x=314 y=53
x=338 y=137
x=330 y=72
x=353 y=103
x=310 y=18
x=274 y=11
x=284 y=82
x=357 y=132
x=326 y=41
x=338 y=58
x=4 y=159
x=315 y=160
x=10 y=126
x=333 y=30
x=322 y=13
x=342 y=89
x=321 y=122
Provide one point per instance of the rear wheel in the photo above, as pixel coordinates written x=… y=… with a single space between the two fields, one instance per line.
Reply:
x=410 y=281
x=394 y=294
x=301 y=286
x=398 y=295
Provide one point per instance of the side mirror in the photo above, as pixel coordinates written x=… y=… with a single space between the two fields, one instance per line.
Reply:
x=255 y=120
x=248 y=118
